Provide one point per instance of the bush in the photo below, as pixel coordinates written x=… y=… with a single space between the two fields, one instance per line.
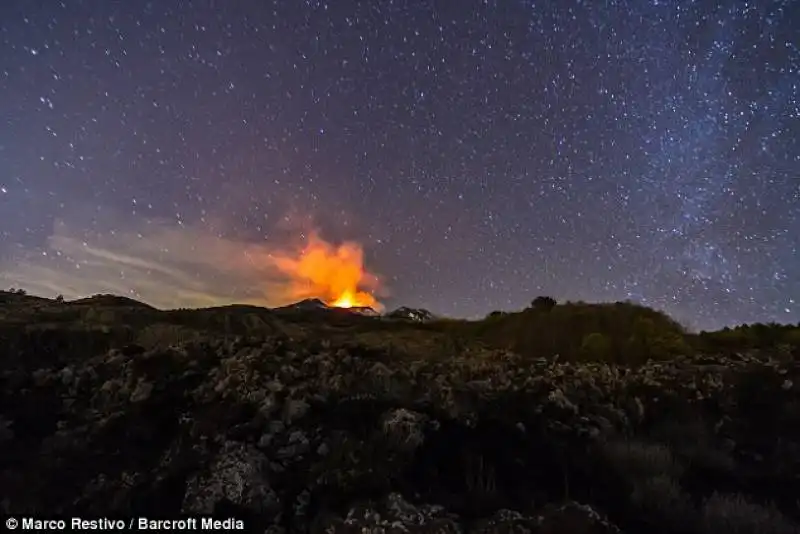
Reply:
x=621 y=333
x=733 y=514
x=661 y=499
x=543 y=303
x=748 y=337
x=596 y=347
x=641 y=460
x=651 y=475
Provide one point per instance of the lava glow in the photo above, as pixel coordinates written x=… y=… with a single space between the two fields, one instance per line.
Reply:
x=334 y=274
x=345 y=301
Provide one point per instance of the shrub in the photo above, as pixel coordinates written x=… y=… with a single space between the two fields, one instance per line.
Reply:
x=651 y=475
x=543 y=303
x=626 y=333
x=662 y=500
x=596 y=347
x=734 y=514
x=639 y=459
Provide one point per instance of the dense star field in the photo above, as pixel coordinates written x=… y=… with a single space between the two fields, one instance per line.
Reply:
x=478 y=153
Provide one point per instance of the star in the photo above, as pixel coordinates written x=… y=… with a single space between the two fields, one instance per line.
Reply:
x=476 y=155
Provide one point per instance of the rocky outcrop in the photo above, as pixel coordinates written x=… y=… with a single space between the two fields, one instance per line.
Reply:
x=304 y=305
x=293 y=436
x=411 y=314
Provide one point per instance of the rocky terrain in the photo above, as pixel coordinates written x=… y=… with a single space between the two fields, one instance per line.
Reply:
x=109 y=407
x=404 y=312
x=411 y=314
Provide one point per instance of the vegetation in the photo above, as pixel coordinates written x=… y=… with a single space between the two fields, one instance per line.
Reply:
x=543 y=303
x=622 y=332
x=758 y=336
x=612 y=405
x=616 y=333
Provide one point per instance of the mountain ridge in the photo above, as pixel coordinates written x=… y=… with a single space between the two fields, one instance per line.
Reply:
x=402 y=312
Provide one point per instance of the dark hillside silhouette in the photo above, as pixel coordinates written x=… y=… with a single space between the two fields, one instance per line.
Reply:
x=563 y=417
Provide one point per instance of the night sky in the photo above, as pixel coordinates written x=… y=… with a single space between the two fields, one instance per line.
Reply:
x=481 y=153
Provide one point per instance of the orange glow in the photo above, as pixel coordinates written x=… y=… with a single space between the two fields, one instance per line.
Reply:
x=334 y=274
x=345 y=301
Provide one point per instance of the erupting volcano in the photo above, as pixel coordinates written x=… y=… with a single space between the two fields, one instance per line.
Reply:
x=334 y=274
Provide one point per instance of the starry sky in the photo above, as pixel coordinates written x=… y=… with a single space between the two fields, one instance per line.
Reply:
x=481 y=152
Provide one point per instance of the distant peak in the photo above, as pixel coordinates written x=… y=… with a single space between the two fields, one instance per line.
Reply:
x=305 y=304
x=317 y=304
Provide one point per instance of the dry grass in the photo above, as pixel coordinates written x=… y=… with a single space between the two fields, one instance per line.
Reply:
x=636 y=458
x=734 y=514
x=164 y=335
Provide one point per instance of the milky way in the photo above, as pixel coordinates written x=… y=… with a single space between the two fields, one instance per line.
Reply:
x=483 y=153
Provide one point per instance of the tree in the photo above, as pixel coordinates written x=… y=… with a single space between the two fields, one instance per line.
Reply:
x=60 y=299
x=543 y=303
x=792 y=337
x=596 y=347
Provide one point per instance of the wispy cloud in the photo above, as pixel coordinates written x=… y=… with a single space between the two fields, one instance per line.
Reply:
x=167 y=265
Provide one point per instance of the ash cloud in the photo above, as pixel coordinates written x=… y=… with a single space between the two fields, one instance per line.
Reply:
x=163 y=264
